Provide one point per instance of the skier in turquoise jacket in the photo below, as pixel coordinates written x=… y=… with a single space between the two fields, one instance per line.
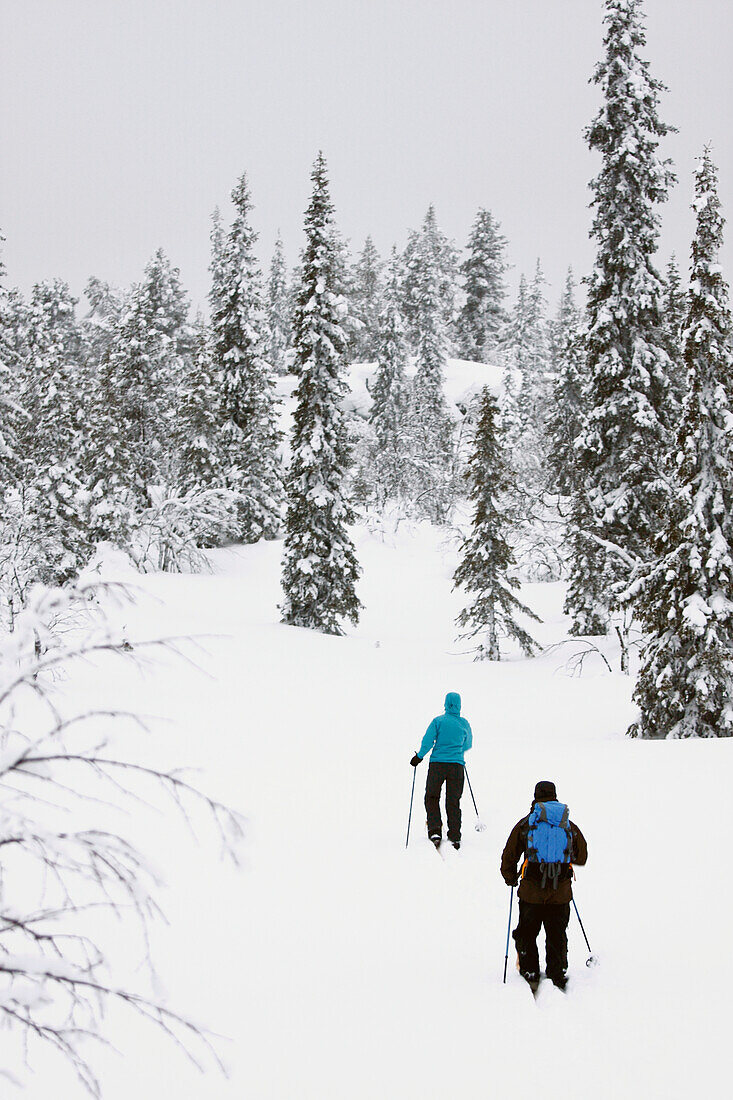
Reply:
x=447 y=738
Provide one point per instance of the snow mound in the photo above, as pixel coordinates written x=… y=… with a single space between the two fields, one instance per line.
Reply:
x=464 y=380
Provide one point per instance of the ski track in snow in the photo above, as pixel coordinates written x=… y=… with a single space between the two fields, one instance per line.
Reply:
x=340 y=965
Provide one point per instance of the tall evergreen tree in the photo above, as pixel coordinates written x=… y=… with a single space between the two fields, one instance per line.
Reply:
x=50 y=432
x=564 y=426
x=367 y=301
x=106 y=305
x=674 y=313
x=567 y=408
x=249 y=435
x=9 y=397
x=486 y=556
x=624 y=441
x=130 y=444
x=197 y=423
x=429 y=425
x=278 y=311
x=320 y=569
x=534 y=362
x=516 y=350
x=482 y=318
x=50 y=397
x=390 y=393
x=527 y=377
x=429 y=258
x=217 y=240
x=685 y=686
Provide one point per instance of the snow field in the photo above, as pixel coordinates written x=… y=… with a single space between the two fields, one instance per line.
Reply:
x=337 y=963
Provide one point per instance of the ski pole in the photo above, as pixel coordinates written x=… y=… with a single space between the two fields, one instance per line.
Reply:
x=479 y=823
x=591 y=960
x=414 y=773
x=508 y=930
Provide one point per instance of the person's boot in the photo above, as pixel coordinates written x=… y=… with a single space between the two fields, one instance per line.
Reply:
x=532 y=979
x=559 y=980
x=436 y=839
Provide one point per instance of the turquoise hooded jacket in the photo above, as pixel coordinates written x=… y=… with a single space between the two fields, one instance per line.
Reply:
x=449 y=736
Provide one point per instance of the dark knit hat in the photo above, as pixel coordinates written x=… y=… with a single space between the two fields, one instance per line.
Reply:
x=544 y=791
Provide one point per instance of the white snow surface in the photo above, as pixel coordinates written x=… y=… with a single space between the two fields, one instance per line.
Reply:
x=463 y=381
x=339 y=964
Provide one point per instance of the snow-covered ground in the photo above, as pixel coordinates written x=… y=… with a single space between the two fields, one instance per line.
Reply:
x=340 y=965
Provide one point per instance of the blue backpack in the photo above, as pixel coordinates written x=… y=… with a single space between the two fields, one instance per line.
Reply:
x=549 y=840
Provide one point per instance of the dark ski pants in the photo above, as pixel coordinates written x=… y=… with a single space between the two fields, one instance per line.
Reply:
x=555 y=919
x=452 y=775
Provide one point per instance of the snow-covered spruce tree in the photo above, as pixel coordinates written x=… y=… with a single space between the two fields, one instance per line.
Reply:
x=486 y=559
x=511 y=379
x=320 y=569
x=193 y=510
x=279 y=326
x=586 y=596
x=674 y=313
x=50 y=372
x=366 y=303
x=525 y=401
x=52 y=500
x=429 y=425
x=130 y=439
x=683 y=600
x=624 y=443
x=482 y=318
x=567 y=478
x=197 y=424
x=249 y=437
x=17 y=541
x=217 y=241
x=517 y=355
x=533 y=362
x=429 y=255
x=9 y=395
x=390 y=395
x=565 y=416
x=98 y=327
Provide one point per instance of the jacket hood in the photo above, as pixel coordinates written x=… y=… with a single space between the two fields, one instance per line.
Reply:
x=453 y=703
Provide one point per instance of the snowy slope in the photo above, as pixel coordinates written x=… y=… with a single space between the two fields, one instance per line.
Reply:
x=339 y=964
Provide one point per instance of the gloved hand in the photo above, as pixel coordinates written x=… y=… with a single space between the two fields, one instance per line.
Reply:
x=415 y=760
x=511 y=881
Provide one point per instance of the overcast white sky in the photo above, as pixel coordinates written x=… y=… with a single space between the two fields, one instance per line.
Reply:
x=124 y=122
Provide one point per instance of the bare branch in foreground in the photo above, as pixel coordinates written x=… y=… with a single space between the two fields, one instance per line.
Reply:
x=68 y=886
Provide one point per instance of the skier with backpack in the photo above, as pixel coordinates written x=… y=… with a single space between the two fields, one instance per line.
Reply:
x=447 y=738
x=550 y=844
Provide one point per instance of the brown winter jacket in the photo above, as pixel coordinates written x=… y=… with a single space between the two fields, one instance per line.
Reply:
x=530 y=885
